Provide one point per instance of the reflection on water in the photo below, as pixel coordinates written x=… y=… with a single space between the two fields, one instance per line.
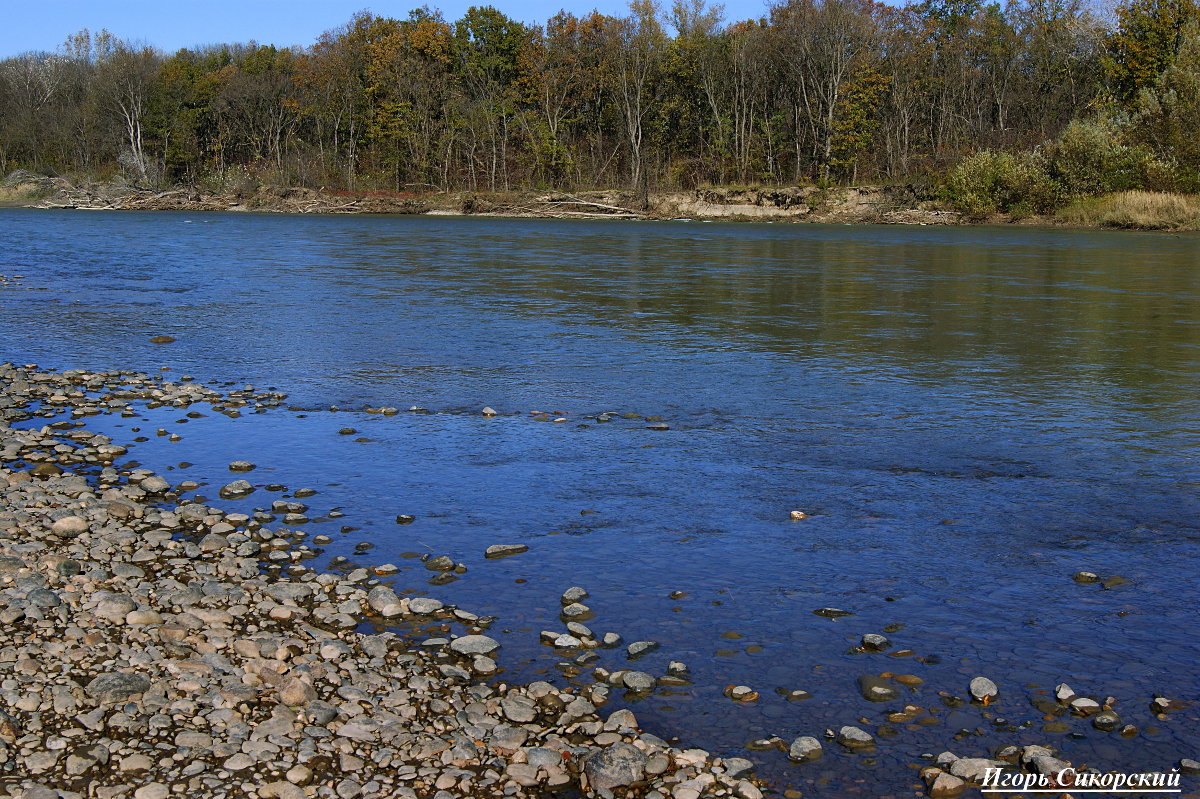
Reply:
x=969 y=416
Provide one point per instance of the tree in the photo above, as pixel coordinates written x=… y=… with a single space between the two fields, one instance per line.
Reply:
x=1149 y=35
x=125 y=77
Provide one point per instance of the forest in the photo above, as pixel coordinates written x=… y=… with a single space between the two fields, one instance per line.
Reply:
x=1022 y=106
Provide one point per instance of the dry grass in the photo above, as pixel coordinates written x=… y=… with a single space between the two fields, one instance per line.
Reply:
x=1136 y=210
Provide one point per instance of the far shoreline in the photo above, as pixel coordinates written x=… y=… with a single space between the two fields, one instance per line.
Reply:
x=851 y=205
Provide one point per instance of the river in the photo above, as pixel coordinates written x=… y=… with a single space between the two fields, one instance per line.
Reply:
x=968 y=417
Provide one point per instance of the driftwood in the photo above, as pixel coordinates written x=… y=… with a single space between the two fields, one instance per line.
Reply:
x=606 y=211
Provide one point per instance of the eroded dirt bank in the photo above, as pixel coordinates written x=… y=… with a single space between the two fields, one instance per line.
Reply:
x=848 y=205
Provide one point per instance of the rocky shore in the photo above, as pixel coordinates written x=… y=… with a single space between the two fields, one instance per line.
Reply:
x=154 y=647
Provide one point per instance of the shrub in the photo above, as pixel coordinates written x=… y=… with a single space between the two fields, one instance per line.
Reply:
x=1091 y=157
x=991 y=182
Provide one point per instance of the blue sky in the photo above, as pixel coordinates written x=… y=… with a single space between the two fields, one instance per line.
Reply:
x=172 y=24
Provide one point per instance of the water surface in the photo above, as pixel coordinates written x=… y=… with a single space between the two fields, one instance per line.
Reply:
x=968 y=415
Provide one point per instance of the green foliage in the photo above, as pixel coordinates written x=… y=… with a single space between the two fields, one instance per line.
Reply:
x=1148 y=36
x=1168 y=113
x=994 y=182
x=1093 y=157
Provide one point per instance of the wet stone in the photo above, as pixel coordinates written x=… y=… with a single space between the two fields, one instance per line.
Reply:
x=805 y=749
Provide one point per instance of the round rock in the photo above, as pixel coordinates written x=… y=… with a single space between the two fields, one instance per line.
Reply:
x=616 y=766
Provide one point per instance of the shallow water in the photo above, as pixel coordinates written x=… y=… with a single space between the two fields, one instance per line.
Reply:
x=968 y=415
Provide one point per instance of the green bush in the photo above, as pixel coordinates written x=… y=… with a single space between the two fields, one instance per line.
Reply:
x=1091 y=157
x=992 y=182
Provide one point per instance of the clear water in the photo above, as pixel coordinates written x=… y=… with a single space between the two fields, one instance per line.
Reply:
x=969 y=416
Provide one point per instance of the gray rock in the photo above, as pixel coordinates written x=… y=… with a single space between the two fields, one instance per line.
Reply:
x=116 y=686
x=242 y=466
x=973 y=768
x=320 y=713
x=639 y=681
x=983 y=688
x=384 y=601
x=236 y=489
x=874 y=642
x=440 y=563
x=69 y=527
x=1049 y=766
x=576 y=610
x=155 y=485
x=639 y=648
x=804 y=749
x=854 y=738
x=474 y=645
x=736 y=767
x=574 y=594
x=424 y=605
x=946 y=786
x=615 y=766
x=504 y=550
x=1189 y=766
x=1106 y=721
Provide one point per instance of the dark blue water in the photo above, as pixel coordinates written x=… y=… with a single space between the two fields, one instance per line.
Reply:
x=969 y=416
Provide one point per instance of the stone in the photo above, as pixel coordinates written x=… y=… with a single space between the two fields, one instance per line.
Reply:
x=874 y=642
x=504 y=550
x=296 y=692
x=440 y=563
x=1106 y=721
x=1048 y=766
x=69 y=527
x=155 y=485
x=153 y=790
x=236 y=489
x=574 y=594
x=876 y=689
x=576 y=610
x=384 y=601
x=854 y=738
x=474 y=645
x=1189 y=766
x=281 y=790
x=946 y=786
x=804 y=749
x=117 y=686
x=1064 y=693
x=983 y=689
x=973 y=768
x=639 y=681
x=615 y=766
x=424 y=606
x=639 y=648
x=242 y=466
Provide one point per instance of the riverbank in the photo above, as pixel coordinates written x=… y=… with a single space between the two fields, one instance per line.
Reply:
x=155 y=645
x=843 y=205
